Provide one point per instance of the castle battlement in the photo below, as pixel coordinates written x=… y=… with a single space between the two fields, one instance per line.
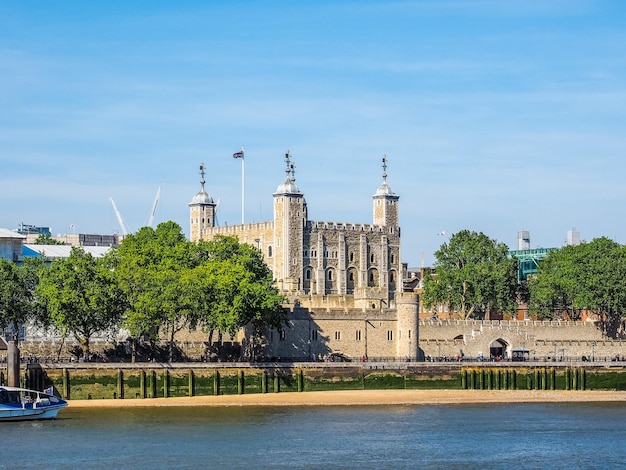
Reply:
x=240 y=228
x=348 y=227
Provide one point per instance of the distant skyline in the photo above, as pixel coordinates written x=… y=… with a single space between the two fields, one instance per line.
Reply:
x=494 y=116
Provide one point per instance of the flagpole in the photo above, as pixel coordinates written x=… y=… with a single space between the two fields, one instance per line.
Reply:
x=243 y=205
x=243 y=195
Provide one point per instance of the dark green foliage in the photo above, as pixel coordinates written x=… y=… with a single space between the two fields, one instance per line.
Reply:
x=473 y=275
x=588 y=278
x=81 y=296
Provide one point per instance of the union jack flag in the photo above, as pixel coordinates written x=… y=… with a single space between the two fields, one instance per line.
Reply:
x=238 y=154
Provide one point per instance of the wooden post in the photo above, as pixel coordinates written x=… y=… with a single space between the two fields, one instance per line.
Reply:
x=166 y=383
x=276 y=381
x=301 y=381
x=142 y=384
x=153 y=383
x=120 y=383
x=66 y=384
x=240 y=382
x=192 y=383
x=264 y=382
x=13 y=364
x=216 y=383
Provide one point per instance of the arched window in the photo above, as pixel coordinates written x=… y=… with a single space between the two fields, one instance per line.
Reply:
x=307 y=274
x=269 y=251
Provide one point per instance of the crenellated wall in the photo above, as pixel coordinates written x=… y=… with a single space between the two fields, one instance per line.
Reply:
x=542 y=339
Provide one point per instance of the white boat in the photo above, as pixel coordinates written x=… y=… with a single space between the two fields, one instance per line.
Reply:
x=19 y=404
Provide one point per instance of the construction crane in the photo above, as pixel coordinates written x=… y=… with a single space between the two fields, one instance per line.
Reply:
x=154 y=207
x=123 y=226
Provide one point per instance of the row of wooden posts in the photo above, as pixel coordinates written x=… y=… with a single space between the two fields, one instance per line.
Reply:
x=511 y=379
x=148 y=383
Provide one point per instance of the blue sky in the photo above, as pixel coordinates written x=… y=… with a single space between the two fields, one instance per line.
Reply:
x=495 y=116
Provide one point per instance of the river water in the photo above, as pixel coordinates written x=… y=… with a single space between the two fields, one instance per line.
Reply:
x=555 y=436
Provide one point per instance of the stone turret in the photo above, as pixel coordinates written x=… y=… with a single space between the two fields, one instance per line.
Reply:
x=202 y=211
x=386 y=203
x=290 y=214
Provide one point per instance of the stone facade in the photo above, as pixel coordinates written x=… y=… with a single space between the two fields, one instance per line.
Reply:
x=343 y=280
x=542 y=340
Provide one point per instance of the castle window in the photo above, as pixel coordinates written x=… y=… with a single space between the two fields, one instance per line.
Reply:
x=389 y=335
x=306 y=252
x=337 y=335
x=409 y=334
x=393 y=258
x=391 y=278
x=351 y=256
x=307 y=274
x=372 y=278
x=330 y=275
x=269 y=251
x=313 y=254
x=295 y=261
x=372 y=258
x=358 y=335
x=351 y=276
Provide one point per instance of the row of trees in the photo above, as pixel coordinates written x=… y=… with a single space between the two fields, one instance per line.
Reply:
x=475 y=275
x=153 y=285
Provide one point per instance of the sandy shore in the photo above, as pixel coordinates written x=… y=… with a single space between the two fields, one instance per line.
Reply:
x=366 y=397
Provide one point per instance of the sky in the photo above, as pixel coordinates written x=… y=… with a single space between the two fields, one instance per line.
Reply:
x=494 y=116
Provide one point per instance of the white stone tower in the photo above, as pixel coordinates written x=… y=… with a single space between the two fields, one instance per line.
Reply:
x=385 y=203
x=290 y=214
x=202 y=211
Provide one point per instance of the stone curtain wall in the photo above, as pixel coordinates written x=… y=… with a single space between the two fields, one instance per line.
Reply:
x=544 y=339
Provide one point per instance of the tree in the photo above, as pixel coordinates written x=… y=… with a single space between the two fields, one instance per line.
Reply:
x=232 y=287
x=148 y=266
x=47 y=240
x=81 y=296
x=473 y=275
x=17 y=296
x=584 y=278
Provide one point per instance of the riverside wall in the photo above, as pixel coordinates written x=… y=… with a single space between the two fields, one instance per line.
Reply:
x=438 y=340
x=544 y=340
x=162 y=380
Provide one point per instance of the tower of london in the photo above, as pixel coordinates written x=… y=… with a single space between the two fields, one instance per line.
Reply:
x=343 y=280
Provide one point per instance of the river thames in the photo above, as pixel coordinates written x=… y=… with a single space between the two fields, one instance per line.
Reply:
x=493 y=436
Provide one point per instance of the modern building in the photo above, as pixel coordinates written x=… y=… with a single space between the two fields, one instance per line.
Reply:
x=343 y=279
x=11 y=244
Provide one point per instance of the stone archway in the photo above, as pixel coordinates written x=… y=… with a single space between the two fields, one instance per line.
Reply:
x=498 y=349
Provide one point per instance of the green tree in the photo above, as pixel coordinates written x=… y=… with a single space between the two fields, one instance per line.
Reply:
x=17 y=296
x=148 y=266
x=232 y=287
x=81 y=296
x=47 y=240
x=473 y=276
x=584 y=278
